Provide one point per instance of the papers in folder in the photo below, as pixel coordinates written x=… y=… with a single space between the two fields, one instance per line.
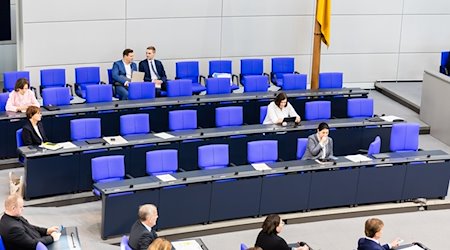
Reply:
x=166 y=177
x=357 y=158
x=261 y=166
x=164 y=135
x=114 y=140
x=186 y=245
x=50 y=146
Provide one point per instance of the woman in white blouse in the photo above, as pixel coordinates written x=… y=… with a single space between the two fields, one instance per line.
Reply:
x=279 y=109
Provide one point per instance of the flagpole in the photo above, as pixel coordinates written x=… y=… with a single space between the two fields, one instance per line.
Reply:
x=316 y=53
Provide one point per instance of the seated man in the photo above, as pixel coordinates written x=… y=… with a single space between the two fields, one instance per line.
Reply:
x=17 y=233
x=142 y=234
x=154 y=70
x=121 y=73
x=374 y=230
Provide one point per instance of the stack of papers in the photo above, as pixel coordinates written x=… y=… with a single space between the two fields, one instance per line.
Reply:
x=114 y=140
x=186 y=245
x=67 y=145
x=50 y=146
x=261 y=166
x=357 y=158
x=164 y=135
x=166 y=177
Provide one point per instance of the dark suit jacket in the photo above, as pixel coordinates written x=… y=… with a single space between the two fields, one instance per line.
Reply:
x=17 y=233
x=271 y=242
x=314 y=150
x=366 y=244
x=144 y=67
x=29 y=135
x=140 y=237
x=119 y=74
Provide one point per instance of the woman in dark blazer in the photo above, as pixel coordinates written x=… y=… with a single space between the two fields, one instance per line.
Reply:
x=33 y=131
x=320 y=145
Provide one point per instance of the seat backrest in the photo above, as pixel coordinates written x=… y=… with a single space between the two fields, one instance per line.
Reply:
x=360 y=107
x=256 y=83
x=182 y=119
x=179 y=88
x=134 y=124
x=124 y=243
x=187 y=70
x=110 y=79
x=444 y=57
x=3 y=99
x=317 y=110
x=53 y=78
x=262 y=151
x=98 y=93
x=218 y=86
x=2 y=246
x=213 y=156
x=87 y=75
x=294 y=81
x=108 y=168
x=301 y=147
x=41 y=246
x=375 y=146
x=162 y=161
x=243 y=246
x=282 y=65
x=330 y=80
x=405 y=137
x=252 y=67
x=19 y=141
x=262 y=113
x=57 y=96
x=141 y=90
x=85 y=128
x=220 y=66
x=10 y=78
x=229 y=116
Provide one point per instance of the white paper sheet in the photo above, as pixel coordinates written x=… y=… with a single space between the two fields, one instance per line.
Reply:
x=391 y=118
x=413 y=247
x=358 y=158
x=186 y=245
x=67 y=145
x=261 y=166
x=166 y=177
x=114 y=140
x=164 y=135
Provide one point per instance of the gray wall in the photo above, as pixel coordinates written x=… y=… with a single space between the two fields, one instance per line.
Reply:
x=8 y=55
x=370 y=40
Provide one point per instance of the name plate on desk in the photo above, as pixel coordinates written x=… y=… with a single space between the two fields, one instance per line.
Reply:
x=69 y=240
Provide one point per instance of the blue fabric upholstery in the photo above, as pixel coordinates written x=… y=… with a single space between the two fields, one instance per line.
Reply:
x=404 y=137
x=134 y=124
x=162 y=161
x=2 y=246
x=182 y=119
x=262 y=151
x=53 y=78
x=444 y=59
x=375 y=146
x=10 y=78
x=57 y=96
x=251 y=67
x=179 y=88
x=281 y=66
x=221 y=66
x=124 y=243
x=218 y=86
x=317 y=110
x=141 y=90
x=229 y=116
x=360 y=107
x=98 y=93
x=3 y=99
x=213 y=156
x=107 y=168
x=256 y=84
x=86 y=76
x=190 y=70
x=19 y=141
x=330 y=80
x=243 y=246
x=41 y=246
x=294 y=81
x=262 y=113
x=301 y=147
x=85 y=128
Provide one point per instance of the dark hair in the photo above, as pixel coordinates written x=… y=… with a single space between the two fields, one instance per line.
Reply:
x=271 y=223
x=126 y=52
x=20 y=84
x=151 y=48
x=373 y=226
x=322 y=126
x=32 y=110
x=280 y=97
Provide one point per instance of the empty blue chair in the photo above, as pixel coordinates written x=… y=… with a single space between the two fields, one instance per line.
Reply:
x=134 y=124
x=255 y=84
x=222 y=66
x=124 y=243
x=229 y=116
x=85 y=128
x=19 y=141
x=111 y=82
x=301 y=147
x=141 y=90
x=107 y=168
x=243 y=246
x=179 y=88
x=294 y=81
x=86 y=76
x=41 y=246
x=218 y=86
x=330 y=80
x=53 y=78
x=317 y=110
x=262 y=113
x=213 y=156
x=264 y=151
x=444 y=59
x=10 y=78
x=98 y=93
x=251 y=67
x=281 y=66
x=360 y=107
x=190 y=70
x=162 y=161
x=375 y=146
x=3 y=99
x=182 y=119
x=404 y=137
x=57 y=96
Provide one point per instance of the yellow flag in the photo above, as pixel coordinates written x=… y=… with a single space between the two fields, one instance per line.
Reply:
x=323 y=17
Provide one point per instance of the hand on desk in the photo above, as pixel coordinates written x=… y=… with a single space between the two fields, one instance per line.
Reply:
x=55 y=236
x=395 y=243
x=50 y=230
x=297 y=119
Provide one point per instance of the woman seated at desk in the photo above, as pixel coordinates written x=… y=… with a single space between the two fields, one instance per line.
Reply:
x=33 y=131
x=21 y=98
x=320 y=146
x=279 y=109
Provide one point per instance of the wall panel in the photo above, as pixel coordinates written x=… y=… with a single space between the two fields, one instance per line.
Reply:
x=148 y=9
x=267 y=7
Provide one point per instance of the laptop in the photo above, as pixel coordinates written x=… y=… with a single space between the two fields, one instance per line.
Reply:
x=137 y=76
x=290 y=121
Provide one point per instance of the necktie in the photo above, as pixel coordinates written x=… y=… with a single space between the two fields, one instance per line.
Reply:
x=153 y=68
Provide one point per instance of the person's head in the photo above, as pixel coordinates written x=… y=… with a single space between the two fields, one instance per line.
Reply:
x=281 y=100
x=272 y=224
x=374 y=228
x=150 y=52
x=22 y=85
x=14 y=205
x=34 y=113
x=128 y=55
x=148 y=214
x=323 y=129
x=160 y=244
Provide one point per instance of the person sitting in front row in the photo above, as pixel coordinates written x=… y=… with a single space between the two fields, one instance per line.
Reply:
x=154 y=70
x=374 y=230
x=121 y=73
x=279 y=109
x=33 y=131
x=320 y=145
x=142 y=233
x=21 y=98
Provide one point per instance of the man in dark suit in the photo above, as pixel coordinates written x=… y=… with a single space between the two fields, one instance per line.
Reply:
x=18 y=233
x=154 y=70
x=121 y=73
x=374 y=230
x=142 y=233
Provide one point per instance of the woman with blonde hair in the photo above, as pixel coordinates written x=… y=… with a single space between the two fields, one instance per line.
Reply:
x=160 y=244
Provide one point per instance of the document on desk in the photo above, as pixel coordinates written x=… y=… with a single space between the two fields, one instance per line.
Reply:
x=50 y=146
x=164 y=135
x=391 y=118
x=357 y=158
x=67 y=145
x=115 y=140
x=261 y=166
x=166 y=177
x=186 y=245
x=413 y=247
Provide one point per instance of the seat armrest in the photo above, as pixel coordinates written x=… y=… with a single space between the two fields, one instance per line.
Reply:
x=200 y=79
x=232 y=164
x=129 y=176
x=71 y=87
x=181 y=170
x=234 y=76
x=296 y=72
